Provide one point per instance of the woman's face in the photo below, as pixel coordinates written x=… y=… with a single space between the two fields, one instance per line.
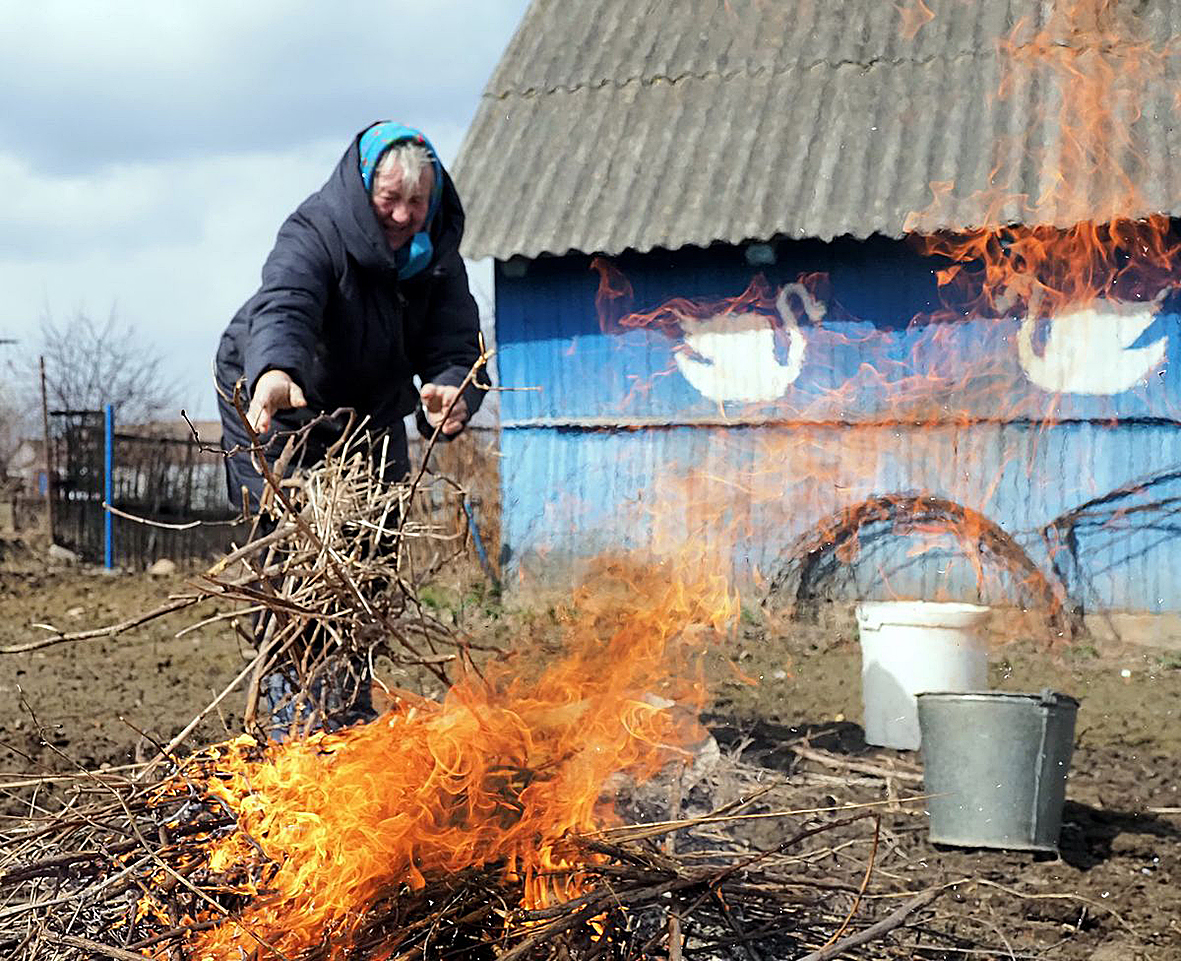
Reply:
x=401 y=208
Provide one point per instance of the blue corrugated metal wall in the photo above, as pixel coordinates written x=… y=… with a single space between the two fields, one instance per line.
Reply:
x=593 y=456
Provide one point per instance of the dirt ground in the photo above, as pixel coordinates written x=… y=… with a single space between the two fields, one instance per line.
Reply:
x=1114 y=894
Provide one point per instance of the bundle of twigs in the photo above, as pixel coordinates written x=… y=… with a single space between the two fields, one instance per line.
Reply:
x=331 y=578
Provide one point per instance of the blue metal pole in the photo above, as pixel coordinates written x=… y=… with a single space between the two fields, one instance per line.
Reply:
x=483 y=555
x=109 y=488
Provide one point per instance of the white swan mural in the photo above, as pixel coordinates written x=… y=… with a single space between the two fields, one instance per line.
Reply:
x=1089 y=351
x=731 y=357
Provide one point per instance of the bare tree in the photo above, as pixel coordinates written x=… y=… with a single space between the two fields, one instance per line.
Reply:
x=89 y=364
x=15 y=418
x=12 y=428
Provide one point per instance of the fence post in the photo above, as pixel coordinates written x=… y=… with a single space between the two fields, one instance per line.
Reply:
x=109 y=488
x=50 y=473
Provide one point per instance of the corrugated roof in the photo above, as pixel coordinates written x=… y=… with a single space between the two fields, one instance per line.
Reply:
x=615 y=124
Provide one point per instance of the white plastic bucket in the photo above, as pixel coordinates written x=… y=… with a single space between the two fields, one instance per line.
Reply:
x=908 y=647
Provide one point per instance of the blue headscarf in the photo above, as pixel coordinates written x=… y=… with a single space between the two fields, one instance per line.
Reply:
x=374 y=142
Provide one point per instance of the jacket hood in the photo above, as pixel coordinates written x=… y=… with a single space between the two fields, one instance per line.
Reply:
x=345 y=202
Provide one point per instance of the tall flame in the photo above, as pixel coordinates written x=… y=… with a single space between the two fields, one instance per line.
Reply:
x=506 y=766
x=497 y=774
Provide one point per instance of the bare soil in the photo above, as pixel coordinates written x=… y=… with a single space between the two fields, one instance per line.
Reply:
x=1114 y=893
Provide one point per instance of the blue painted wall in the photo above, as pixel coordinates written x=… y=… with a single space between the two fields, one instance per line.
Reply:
x=612 y=446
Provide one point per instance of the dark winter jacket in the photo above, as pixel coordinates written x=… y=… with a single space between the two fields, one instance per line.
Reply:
x=333 y=313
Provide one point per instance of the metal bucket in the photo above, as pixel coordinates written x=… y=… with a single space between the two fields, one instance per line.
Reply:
x=913 y=646
x=996 y=764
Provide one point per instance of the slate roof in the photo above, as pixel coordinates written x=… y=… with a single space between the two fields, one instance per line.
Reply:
x=615 y=124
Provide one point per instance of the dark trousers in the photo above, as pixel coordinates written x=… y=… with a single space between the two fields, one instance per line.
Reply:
x=339 y=696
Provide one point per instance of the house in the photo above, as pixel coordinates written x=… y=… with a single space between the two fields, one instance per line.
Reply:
x=876 y=297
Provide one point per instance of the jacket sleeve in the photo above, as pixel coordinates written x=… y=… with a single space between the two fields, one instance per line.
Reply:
x=449 y=345
x=287 y=313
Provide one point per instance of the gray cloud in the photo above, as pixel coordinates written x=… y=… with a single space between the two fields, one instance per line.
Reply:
x=122 y=82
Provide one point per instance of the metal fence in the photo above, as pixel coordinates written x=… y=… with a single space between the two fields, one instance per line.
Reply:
x=164 y=480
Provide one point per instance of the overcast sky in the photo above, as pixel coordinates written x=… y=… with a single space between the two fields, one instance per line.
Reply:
x=149 y=151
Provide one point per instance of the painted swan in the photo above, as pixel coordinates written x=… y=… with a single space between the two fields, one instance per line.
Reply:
x=1089 y=351
x=738 y=351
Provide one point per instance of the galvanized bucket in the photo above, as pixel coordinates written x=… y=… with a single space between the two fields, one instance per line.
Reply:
x=996 y=765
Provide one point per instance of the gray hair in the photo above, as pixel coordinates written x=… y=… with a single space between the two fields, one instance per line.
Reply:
x=411 y=157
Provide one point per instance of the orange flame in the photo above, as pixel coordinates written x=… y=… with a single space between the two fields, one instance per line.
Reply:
x=913 y=17
x=615 y=297
x=506 y=767
x=495 y=775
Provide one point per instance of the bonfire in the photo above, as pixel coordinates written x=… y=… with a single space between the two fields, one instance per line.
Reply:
x=488 y=822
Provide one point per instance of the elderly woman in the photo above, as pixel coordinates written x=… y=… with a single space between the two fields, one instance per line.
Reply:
x=364 y=290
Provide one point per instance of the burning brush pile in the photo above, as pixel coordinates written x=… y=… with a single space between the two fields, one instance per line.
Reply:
x=484 y=823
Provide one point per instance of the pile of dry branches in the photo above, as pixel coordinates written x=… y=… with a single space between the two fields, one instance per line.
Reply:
x=121 y=871
x=330 y=579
